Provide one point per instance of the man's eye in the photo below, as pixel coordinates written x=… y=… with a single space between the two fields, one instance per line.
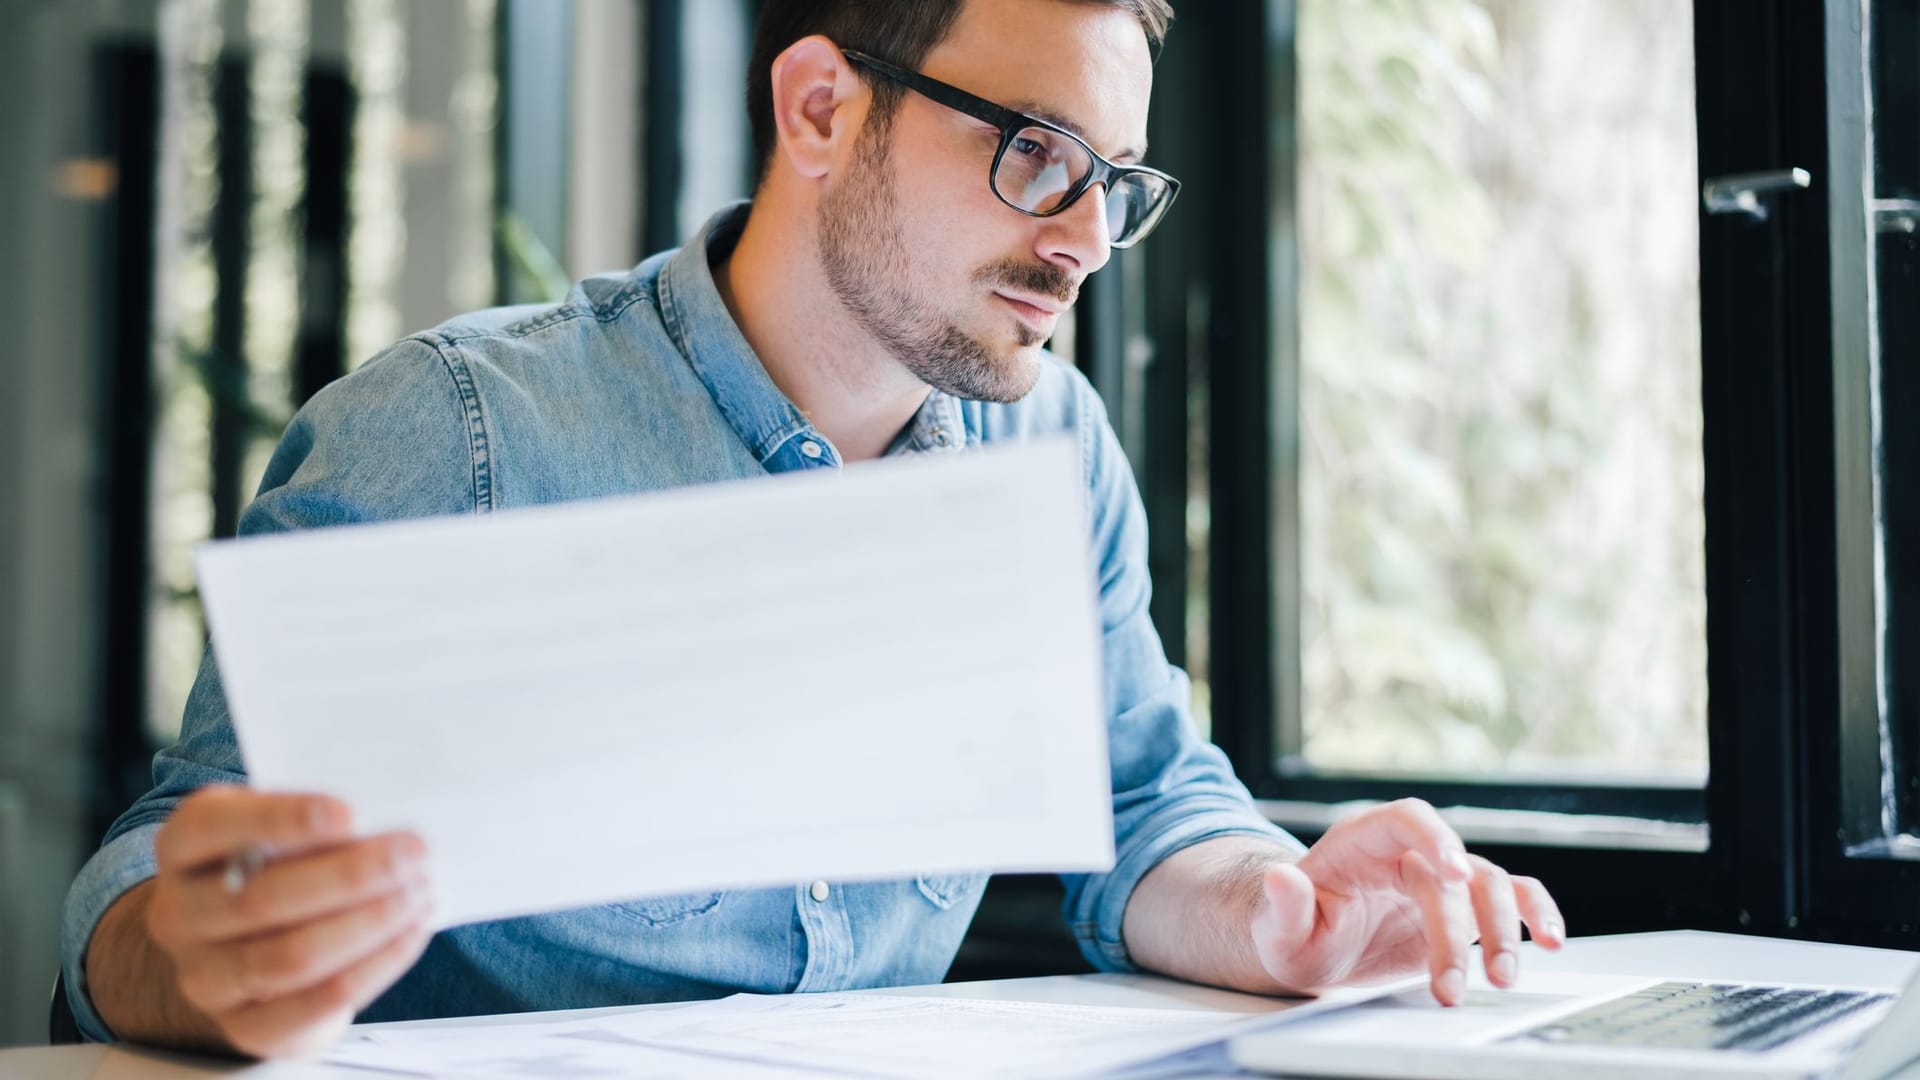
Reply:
x=1029 y=147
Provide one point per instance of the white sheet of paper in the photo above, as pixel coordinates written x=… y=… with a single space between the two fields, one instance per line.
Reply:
x=885 y=1035
x=540 y=1051
x=848 y=1033
x=849 y=675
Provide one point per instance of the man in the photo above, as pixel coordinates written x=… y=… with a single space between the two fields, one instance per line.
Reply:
x=931 y=201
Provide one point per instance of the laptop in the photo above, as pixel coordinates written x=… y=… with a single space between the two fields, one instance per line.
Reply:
x=1574 y=1025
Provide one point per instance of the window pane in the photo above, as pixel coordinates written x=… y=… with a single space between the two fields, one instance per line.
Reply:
x=421 y=176
x=185 y=284
x=1501 y=473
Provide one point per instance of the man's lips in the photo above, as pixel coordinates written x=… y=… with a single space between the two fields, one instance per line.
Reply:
x=1035 y=309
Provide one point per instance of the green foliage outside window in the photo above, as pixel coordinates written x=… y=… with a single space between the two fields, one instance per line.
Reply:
x=1501 y=474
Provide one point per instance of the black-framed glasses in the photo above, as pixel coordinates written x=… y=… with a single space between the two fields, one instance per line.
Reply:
x=1040 y=169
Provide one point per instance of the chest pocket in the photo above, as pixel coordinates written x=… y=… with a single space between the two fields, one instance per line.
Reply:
x=668 y=910
x=946 y=890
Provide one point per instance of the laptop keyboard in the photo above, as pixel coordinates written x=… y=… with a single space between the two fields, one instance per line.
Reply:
x=1705 y=1016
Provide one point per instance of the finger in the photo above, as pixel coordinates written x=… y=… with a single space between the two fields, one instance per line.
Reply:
x=1284 y=925
x=307 y=1022
x=1387 y=832
x=1498 y=915
x=223 y=978
x=214 y=822
x=1446 y=918
x=291 y=891
x=1540 y=913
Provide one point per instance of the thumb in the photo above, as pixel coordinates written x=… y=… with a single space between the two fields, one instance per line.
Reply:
x=1286 y=919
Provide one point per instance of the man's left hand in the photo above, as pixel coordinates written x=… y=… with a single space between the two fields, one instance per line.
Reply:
x=1390 y=890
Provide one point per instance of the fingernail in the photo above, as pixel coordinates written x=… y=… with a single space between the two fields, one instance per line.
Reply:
x=1502 y=968
x=1555 y=931
x=1451 y=986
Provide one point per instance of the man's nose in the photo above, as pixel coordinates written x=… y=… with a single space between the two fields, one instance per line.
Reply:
x=1076 y=238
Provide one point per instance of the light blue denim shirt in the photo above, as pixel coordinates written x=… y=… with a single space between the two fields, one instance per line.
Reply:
x=635 y=382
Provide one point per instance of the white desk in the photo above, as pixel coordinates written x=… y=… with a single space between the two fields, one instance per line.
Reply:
x=1683 y=954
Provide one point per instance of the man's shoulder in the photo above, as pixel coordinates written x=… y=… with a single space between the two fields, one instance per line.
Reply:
x=517 y=366
x=592 y=303
x=593 y=333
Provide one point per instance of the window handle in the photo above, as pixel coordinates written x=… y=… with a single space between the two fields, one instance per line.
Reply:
x=1740 y=193
x=1895 y=215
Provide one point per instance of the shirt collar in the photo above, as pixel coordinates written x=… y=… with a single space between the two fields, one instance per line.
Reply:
x=702 y=328
x=704 y=331
x=936 y=429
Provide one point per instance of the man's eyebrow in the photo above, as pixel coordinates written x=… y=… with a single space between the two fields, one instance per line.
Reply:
x=1041 y=112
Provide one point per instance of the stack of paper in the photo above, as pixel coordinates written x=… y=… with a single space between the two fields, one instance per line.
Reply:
x=861 y=1033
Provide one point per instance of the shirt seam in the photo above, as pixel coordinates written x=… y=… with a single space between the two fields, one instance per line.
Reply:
x=669 y=308
x=479 y=445
x=533 y=324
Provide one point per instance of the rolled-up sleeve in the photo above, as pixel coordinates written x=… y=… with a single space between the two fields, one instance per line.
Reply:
x=205 y=754
x=1171 y=789
x=392 y=440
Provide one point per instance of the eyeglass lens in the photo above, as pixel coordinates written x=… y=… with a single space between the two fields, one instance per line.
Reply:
x=1041 y=166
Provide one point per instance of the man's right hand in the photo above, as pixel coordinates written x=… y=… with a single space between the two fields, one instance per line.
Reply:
x=279 y=966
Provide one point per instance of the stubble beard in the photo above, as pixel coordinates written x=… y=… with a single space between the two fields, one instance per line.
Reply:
x=868 y=267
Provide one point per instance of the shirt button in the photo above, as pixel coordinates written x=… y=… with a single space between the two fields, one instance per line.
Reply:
x=939 y=436
x=810 y=448
x=819 y=890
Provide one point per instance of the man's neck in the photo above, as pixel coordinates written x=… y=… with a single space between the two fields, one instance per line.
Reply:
x=851 y=389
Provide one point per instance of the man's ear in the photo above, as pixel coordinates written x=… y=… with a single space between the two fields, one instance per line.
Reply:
x=812 y=85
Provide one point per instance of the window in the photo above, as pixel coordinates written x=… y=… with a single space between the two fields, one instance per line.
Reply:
x=326 y=185
x=1444 y=509
x=1501 y=534
x=1489 y=463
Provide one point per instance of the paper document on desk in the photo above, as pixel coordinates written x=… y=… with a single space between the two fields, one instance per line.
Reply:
x=860 y=1033
x=924 y=1038
x=853 y=675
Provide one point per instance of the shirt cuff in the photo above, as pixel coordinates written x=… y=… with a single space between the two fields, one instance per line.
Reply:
x=1101 y=912
x=125 y=861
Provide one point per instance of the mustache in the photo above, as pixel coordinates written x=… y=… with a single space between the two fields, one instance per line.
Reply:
x=1044 y=279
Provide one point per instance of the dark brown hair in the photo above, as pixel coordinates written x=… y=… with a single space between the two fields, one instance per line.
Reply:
x=900 y=32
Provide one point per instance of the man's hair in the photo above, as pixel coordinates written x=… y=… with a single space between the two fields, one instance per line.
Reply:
x=901 y=32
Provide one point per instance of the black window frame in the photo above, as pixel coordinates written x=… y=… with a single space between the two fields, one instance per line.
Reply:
x=1895 y=218
x=1859 y=879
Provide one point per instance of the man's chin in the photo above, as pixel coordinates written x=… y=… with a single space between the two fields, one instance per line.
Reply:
x=1010 y=378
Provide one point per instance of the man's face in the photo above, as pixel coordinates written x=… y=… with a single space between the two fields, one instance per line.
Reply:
x=957 y=285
